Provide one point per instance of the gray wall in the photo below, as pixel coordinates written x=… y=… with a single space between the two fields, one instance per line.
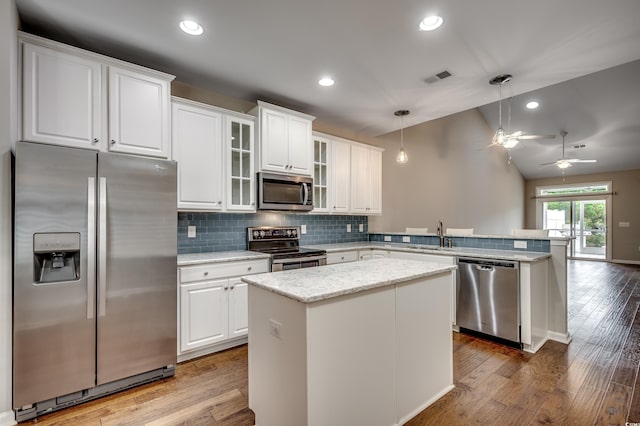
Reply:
x=625 y=207
x=8 y=113
x=451 y=176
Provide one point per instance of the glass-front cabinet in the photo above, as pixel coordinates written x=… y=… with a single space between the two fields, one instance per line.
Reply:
x=240 y=190
x=321 y=148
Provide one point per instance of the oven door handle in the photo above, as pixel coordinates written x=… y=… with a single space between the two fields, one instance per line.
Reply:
x=299 y=259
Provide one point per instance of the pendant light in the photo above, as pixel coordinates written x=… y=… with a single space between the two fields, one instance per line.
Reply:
x=402 y=155
x=499 y=138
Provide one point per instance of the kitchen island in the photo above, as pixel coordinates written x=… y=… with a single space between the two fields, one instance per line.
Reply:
x=354 y=343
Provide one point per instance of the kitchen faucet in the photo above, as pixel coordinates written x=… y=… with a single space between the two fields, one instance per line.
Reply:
x=440 y=231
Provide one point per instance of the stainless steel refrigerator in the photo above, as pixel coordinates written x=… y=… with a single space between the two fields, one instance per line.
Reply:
x=94 y=295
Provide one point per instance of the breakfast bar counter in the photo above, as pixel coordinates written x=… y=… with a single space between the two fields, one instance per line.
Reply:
x=355 y=343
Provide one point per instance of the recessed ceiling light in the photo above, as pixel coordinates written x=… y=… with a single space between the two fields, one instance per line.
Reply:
x=532 y=104
x=191 y=27
x=326 y=81
x=430 y=23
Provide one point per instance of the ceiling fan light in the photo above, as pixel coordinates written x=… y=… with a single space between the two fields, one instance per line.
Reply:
x=499 y=136
x=532 y=105
x=402 y=156
x=510 y=143
x=562 y=164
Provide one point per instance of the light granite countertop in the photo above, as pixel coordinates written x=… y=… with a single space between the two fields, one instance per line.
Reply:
x=309 y=285
x=522 y=256
x=219 y=256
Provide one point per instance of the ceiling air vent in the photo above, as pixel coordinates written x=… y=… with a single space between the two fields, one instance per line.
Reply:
x=437 y=77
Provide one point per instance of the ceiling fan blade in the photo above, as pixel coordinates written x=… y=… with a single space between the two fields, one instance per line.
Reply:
x=534 y=137
x=516 y=134
x=553 y=163
x=583 y=161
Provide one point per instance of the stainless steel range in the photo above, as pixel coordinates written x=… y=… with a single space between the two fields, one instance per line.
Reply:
x=283 y=244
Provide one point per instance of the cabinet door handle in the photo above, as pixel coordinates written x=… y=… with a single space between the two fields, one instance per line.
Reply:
x=232 y=287
x=249 y=268
x=95 y=140
x=219 y=202
x=113 y=141
x=206 y=273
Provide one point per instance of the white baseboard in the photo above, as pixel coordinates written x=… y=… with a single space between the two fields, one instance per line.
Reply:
x=185 y=356
x=7 y=418
x=559 y=337
x=628 y=262
x=427 y=403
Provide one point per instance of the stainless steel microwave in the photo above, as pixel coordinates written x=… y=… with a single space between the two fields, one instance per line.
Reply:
x=285 y=192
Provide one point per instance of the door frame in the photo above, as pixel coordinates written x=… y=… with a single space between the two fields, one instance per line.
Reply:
x=540 y=199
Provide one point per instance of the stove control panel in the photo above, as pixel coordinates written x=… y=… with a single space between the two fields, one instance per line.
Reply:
x=273 y=233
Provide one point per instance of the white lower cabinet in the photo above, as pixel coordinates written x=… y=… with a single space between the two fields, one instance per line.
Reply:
x=434 y=258
x=342 y=257
x=213 y=306
x=373 y=254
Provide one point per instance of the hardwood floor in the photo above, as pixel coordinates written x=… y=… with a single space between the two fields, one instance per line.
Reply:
x=594 y=380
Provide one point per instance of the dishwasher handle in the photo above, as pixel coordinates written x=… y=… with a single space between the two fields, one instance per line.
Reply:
x=485 y=267
x=488 y=264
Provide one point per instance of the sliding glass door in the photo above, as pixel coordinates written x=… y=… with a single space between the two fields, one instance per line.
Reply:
x=583 y=220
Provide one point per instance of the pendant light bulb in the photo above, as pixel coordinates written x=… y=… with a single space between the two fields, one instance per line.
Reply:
x=402 y=156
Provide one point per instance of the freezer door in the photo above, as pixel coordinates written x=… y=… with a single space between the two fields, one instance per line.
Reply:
x=137 y=265
x=53 y=317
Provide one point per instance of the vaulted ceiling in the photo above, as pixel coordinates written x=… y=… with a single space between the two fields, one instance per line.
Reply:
x=578 y=57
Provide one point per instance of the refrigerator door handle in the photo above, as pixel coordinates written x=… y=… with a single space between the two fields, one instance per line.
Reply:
x=91 y=246
x=102 y=249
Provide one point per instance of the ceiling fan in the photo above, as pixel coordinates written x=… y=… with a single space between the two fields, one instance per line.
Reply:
x=564 y=162
x=506 y=139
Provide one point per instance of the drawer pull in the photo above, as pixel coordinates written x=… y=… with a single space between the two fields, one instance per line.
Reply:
x=249 y=268
x=206 y=273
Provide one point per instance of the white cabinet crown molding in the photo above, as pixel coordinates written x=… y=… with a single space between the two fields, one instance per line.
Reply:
x=264 y=104
x=107 y=60
x=221 y=110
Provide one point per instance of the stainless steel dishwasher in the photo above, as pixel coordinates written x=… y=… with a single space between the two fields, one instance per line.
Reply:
x=488 y=297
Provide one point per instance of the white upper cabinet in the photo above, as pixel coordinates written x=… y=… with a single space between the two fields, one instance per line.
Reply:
x=340 y=176
x=285 y=140
x=62 y=98
x=239 y=146
x=347 y=176
x=214 y=151
x=366 y=180
x=321 y=178
x=76 y=98
x=197 y=137
x=138 y=113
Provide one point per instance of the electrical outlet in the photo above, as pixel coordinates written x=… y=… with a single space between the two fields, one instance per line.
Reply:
x=191 y=231
x=387 y=237
x=275 y=328
x=348 y=227
x=361 y=227
x=303 y=229
x=406 y=239
x=520 y=244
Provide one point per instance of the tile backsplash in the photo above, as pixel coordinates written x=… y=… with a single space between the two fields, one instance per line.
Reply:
x=228 y=231
x=494 y=243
